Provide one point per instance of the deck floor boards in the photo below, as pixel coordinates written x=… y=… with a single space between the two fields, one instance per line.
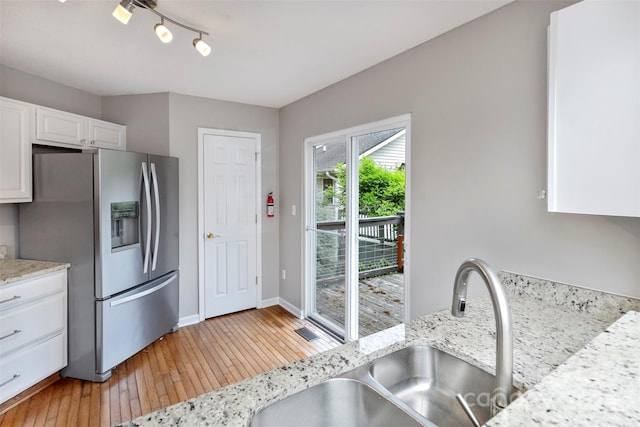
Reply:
x=381 y=304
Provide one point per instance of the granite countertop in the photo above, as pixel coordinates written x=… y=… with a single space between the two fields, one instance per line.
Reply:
x=597 y=386
x=551 y=322
x=12 y=270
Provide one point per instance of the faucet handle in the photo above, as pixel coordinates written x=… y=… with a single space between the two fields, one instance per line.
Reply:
x=462 y=304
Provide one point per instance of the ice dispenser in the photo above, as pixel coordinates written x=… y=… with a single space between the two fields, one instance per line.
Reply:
x=124 y=224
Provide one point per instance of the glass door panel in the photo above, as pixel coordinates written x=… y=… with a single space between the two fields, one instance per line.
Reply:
x=328 y=231
x=380 y=229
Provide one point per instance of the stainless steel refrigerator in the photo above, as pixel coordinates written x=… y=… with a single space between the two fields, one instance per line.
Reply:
x=114 y=216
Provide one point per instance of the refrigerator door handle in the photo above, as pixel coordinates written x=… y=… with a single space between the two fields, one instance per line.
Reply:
x=147 y=196
x=142 y=294
x=154 y=179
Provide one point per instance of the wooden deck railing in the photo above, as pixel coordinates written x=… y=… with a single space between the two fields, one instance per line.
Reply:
x=380 y=246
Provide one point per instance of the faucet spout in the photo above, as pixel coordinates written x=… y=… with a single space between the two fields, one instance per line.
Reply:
x=501 y=395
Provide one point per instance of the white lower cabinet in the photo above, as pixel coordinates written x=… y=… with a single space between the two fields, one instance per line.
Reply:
x=33 y=331
x=24 y=368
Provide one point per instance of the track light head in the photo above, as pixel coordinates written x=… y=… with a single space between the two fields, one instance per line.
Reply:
x=163 y=32
x=201 y=46
x=124 y=11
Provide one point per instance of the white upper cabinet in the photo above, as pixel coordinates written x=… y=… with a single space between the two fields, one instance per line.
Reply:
x=106 y=135
x=15 y=151
x=59 y=128
x=594 y=109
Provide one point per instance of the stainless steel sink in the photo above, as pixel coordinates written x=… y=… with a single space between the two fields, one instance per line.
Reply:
x=427 y=380
x=336 y=402
x=411 y=387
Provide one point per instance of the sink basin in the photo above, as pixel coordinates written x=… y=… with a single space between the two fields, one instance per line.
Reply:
x=415 y=386
x=427 y=380
x=336 y=402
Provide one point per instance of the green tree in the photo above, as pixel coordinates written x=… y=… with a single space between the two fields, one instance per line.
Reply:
x=381 y=190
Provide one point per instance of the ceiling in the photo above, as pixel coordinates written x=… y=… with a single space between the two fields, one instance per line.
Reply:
x=268 y=53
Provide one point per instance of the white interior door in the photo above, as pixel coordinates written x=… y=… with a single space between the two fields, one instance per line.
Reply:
x=230 y=223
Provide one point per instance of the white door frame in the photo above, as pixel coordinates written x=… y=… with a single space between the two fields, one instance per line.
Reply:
x=201 y=230
x=351 y=326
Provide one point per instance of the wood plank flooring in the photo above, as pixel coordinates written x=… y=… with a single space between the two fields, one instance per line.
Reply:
x=194 y=360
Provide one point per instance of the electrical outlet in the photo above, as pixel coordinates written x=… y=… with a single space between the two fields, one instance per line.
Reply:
x=293 y=210
x=284 y=274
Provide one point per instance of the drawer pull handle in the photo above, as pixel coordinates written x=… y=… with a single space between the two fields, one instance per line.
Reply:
x=14 y=377
x=10 y=299
x=15 y=332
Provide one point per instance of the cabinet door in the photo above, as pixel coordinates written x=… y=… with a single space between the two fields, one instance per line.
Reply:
x=594 y=109
x=106 y=135
x=53 y=126
x=15 y=151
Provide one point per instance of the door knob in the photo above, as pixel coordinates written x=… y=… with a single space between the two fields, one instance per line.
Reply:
x=211 y=235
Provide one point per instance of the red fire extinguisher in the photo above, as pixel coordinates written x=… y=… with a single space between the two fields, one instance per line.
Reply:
x=270 y=208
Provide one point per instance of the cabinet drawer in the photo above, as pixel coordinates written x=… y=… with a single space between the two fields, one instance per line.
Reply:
x=22 y=369
x=20 y=292
x=27 y=323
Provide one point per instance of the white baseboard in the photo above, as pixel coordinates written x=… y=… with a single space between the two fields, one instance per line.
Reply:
x=189 y=320
x=269 y=302
x=195 y=318
x=291 y=308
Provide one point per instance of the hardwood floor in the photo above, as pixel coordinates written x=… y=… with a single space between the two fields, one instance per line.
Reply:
x=194 y=360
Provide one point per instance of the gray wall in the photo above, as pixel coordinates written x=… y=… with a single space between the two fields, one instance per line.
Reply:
x=187 y=114
x=9 y=228
x=30 y=88
x=477 y=96
x=146 y=118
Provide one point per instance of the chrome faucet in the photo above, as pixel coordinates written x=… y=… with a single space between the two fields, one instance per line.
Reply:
x=501 y=395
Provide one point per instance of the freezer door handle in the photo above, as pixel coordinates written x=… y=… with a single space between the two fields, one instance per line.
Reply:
x=147 y=196
x=154 y=179
x=143 y=293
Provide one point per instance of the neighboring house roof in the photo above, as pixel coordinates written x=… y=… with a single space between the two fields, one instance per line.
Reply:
x=327 y=156
x=389 y=154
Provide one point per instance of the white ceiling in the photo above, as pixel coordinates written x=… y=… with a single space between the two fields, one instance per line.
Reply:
x=268 y=53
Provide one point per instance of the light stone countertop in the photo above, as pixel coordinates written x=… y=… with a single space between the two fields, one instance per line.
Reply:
x=12 y=270
x=597 y=386
x=551 y=322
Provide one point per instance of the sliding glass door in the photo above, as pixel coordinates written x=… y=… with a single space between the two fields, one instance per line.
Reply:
x=327 y=234
x=351 y=236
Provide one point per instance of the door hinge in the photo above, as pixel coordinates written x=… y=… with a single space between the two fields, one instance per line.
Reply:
x=256 y=280
x=257 y=156
x=256 y=218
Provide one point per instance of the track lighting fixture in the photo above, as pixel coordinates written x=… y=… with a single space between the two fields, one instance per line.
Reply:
x=201 y=46
x=163 y=32
x=124 y=12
